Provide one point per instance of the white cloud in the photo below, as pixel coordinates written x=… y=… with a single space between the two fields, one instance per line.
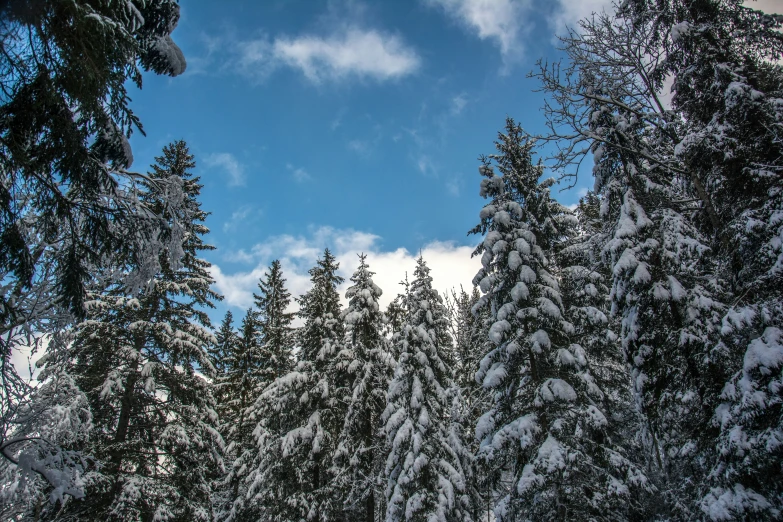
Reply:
x=450 y=264
x=567 y=13
x=229 y=164
x=350 y=52
x=500 y=21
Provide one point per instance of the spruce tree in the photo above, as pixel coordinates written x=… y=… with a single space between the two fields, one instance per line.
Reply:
x=543 y=429
x=264 y=354
x=722 y=55
x=225 y=339
x=270 y=478
x=314 y=400
x=241 y=383
x=136 y=358
x=274 y=322
x=65 y=152
x=358 y=459
x=424 y=475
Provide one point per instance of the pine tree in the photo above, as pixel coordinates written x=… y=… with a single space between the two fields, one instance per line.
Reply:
x=136 y=358
x=425 y=479
x=543 y=429
x=358 y=459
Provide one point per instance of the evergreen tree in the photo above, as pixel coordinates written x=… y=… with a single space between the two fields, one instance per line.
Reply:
x=271 y=478
x=314 y=400
x=544 y=429
x=264 y=354
x=425 y=479
x=721 y=55
x=659 y=224
x=136 y=358
x=240 y=385
x=64 y=204
x=225 y=340
x=358 y=458
x=470 y=400
x=274 y=323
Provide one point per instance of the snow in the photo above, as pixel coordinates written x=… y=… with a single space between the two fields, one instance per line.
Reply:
x=495 y=376
x=522 y=246
x=595 y=417
x=527 y=275
x=551 y=454
x=548 y=308
x=540 y=341
x=514 y=260
x=727 y=504
x=519 y=292
x=679 y=30
x=502 y=218
x=172 y=54
x=765 y=353
x=556 y=389
x=497 y=330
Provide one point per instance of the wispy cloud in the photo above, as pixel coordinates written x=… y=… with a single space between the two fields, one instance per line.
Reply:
x=426 y=165
x=451 y=264
x=338 y=120
x=229 y=165
x=454 y=186
x=499 y=21
x=241 y=216
x=366 y=146
x=458 y=104
x=299 y=174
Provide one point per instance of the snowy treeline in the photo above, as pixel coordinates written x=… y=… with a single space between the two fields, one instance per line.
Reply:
x=622 y=360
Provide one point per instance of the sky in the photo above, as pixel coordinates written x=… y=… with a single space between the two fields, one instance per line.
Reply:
x=350 y=125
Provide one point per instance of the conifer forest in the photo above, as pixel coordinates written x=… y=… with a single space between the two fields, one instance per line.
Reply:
x=618 y=361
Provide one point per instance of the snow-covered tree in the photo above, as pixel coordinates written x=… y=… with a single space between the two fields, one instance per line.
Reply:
x=424 y=475
x=723 y=59
x=469 y=330
x=136 y=359
x=663 y=233
x=241 y=382
x=264 y=353
x=312 y=396
x=70 y=214
x=358 y=458
x=544 y=428
x=274 y=321
x=65 y=150
x=225 y=340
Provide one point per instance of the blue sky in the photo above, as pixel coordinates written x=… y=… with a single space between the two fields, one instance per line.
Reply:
x=348 y=124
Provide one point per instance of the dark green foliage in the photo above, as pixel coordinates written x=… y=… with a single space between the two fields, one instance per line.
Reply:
x=64 y=120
